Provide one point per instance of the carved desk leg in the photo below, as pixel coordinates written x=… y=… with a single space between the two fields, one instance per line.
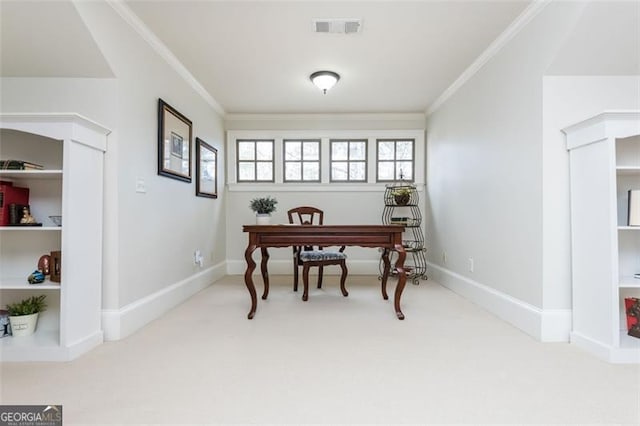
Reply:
x=265 y=274
x=385 y=273
x=402 y=279
x=248 y=281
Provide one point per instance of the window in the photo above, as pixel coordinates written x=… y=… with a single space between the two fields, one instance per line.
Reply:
x=302 y=160
x=348 y=160
x=395 y=160
x=255 y=160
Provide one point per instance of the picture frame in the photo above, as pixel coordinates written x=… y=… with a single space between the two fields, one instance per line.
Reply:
x=174 y=143
x=206 y=170
x=55 y=266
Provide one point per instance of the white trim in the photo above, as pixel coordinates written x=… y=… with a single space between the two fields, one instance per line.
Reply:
x=120 y=323
x=494 y=48
x=551 y=325
x=607 y=124
x=285 y=267
x=161 y=49
x=327 y=117
x=313 y=187
x=605 y=352
x=80 y=347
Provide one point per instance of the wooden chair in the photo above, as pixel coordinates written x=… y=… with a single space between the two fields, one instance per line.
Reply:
x=307 y=256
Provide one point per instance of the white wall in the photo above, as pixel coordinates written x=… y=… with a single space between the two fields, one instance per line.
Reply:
x=484 y=164
x=149 y=237
x=498 y=168
x=158 y=231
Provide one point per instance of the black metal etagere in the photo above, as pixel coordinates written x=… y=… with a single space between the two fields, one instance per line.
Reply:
x=401 y=206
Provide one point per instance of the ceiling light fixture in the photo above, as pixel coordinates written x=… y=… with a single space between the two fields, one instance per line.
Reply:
x=324 y=80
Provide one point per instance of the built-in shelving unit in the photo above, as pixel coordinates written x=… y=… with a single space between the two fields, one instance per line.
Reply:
x=604 y=154
x=71 y=150
x=401 y=207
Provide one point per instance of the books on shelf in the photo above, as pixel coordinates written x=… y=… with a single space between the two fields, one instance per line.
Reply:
x=12 y=200
x=19 y=165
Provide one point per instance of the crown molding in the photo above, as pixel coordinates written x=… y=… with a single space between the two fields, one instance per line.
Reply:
x=494 y=48
x=161 y=49
x=332 y=117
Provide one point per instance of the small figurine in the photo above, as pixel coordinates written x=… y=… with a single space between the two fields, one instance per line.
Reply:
x=36 y=277
x=26 y=216
x=43 y=264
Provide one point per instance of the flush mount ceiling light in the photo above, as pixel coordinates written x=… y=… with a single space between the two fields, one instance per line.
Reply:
x=324 y=80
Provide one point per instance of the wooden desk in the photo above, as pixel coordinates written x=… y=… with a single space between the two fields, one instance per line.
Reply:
x=388 y=237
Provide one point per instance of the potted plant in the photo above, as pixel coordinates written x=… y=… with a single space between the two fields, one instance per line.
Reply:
x=402 y=195
x=23 y=316
x=263 y=207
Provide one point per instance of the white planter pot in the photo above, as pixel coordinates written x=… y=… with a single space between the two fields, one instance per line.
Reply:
x=23 y=325
x=263 y=219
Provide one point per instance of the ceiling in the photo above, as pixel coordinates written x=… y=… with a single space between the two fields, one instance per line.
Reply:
x=256 y=56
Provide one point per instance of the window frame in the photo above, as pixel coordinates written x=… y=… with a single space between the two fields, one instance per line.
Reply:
x=255 y=161
x=395 y=160
x=348 y=161
x=302 y=141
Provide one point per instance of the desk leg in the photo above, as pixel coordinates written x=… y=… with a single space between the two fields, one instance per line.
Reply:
x=248 y=281
x=402 y=280
x=385 y=273
x=265 y=274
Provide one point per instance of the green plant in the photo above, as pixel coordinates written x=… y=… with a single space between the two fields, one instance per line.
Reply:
x=263 y=205
x=27 y=306
x=401 y=190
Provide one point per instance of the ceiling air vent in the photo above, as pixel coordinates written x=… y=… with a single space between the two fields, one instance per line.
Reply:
x=337 y=25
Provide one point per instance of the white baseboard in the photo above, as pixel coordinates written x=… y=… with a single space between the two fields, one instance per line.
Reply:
x=546 y=325
x=80 y=347
x=285 y=267
x=120 y=323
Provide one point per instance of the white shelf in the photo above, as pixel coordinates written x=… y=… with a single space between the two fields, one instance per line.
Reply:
x=22 y=284
x=41 y=338
x=628 y=170
x=31 y=228
x=31 y=174
x=629 y=282
x=629 y=342
x=628 y=228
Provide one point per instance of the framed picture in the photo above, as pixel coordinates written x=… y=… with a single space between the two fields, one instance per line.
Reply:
x=174 y=143
x=206 y=170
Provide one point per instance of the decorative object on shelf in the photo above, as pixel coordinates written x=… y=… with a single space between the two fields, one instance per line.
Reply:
x=27 y=219
x=36 y=277
x=57 y=220
x=401 y=207
x=174 y=143
x=19 y=165
x=402 y=195
x=55 y=266
x=633 y=210
x=263 y=207
x=44 y=263
x=5 y=325
x=11 y=195
x=632 y=309
x=206 y=170
x=23 y=315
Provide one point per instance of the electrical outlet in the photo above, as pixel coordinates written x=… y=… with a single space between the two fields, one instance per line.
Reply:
x=471 y=264
x=197 y=258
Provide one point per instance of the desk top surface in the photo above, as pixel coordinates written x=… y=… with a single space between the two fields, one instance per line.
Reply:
x=279 y=228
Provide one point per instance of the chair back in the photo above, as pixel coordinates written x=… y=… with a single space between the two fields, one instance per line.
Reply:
x=305 y=215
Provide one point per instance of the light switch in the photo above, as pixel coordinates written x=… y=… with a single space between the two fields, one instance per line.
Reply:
x=141 y=186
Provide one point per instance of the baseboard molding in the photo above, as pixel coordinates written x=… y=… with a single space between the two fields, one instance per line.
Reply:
x=285 y=267
x=546 y=325
x=80 y=347
x=120 y=323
